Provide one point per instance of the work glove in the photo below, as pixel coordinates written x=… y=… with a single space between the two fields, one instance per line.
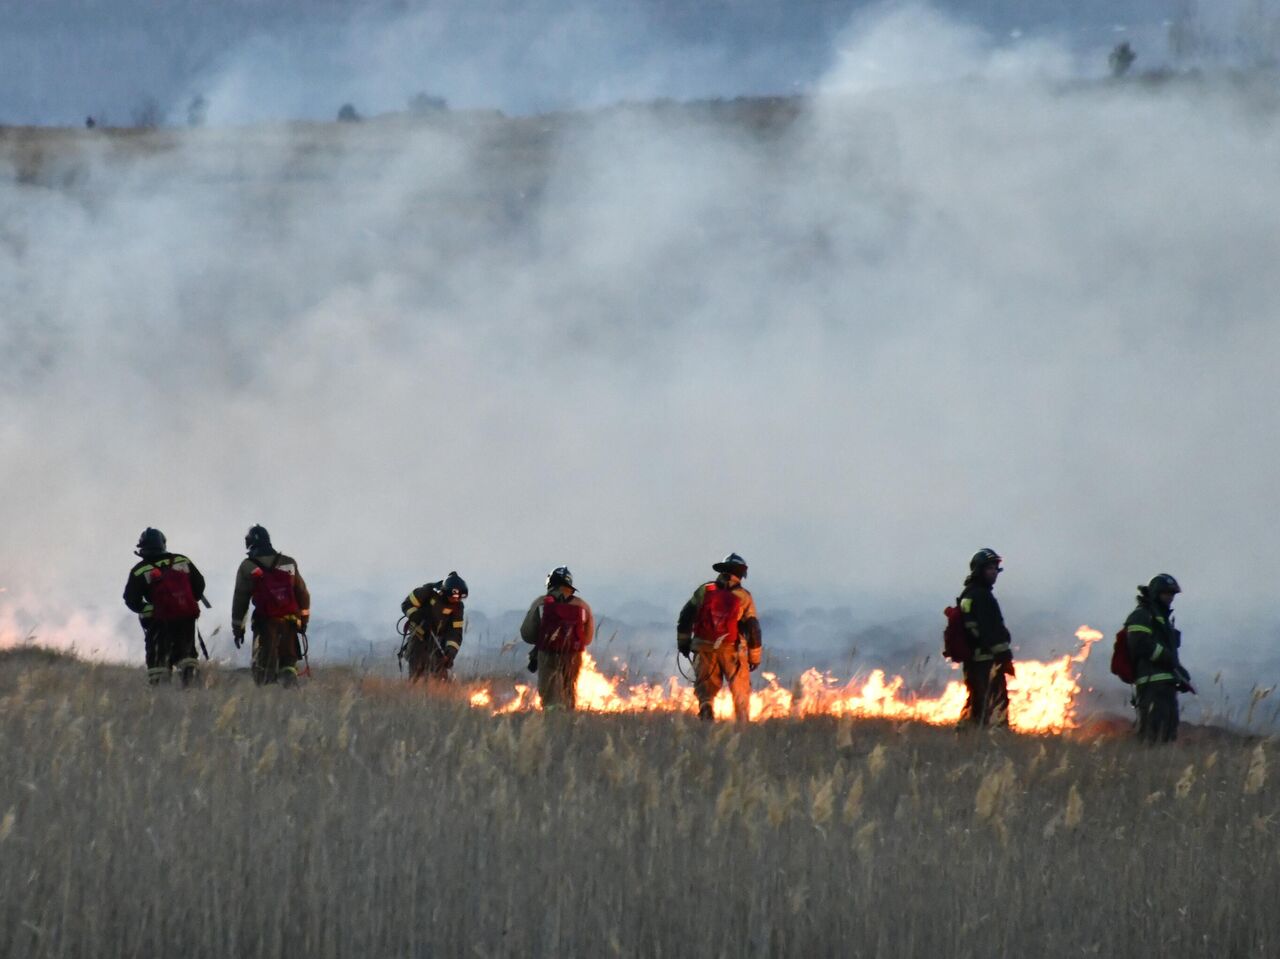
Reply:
x=302 y=626
x=237 y=636
x=533 y=660
x=752 y=667
x=684 y=644
x=1184 y=680
x=449 y=656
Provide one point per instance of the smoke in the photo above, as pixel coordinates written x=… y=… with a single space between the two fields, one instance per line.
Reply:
x=951 y=302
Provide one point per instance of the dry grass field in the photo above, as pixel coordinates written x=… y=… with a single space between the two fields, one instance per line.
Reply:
x=356 y=817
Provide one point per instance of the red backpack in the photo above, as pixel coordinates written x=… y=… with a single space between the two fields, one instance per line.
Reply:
x=170 y=594
x=717 y=620
x=1121 y=662
x=563 y=627
x=273 y=596
x=955 y=638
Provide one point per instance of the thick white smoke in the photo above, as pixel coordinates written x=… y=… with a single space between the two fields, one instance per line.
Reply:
x=975 y=304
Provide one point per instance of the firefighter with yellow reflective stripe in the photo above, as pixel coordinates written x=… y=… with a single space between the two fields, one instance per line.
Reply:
x=991 y=659
x=435 y=618
x=164 y=589
x=1154 y=642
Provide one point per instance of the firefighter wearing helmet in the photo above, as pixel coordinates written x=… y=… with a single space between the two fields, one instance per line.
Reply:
x=990 y=659
x=165 y=590
x=1153 y=643
x=559 y=626
x=270 y=580
x=720 y=630
x=434 y=619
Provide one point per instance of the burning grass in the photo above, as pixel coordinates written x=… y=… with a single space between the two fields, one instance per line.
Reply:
x=1042 y=696
x=359 y=817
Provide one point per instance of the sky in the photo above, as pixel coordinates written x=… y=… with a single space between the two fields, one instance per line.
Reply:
x=966 y=299
x=61 y=60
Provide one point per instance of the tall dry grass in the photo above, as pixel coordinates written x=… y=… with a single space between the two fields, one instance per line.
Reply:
x=358 y=818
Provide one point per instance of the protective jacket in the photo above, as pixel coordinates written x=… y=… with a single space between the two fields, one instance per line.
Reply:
x=984 y=622
x=1153 y=643
x=532 y=632
x=431 y=615
x=246 y=582
x=136 y=592
x=702 y=622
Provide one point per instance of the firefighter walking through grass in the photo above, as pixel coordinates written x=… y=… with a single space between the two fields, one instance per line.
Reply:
x=165 y=590
x=990 y=661
x=559 y=626
x=281 y=609
x=720 y=630
x=1153 y=643
x=434 y=615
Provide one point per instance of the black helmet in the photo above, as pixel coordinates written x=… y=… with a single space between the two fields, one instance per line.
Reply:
x=560 y=576
x=733 y=563
x=984 y=558
x=1164 y=583
x=454 y=582
x=257 y=541
x=151 y=543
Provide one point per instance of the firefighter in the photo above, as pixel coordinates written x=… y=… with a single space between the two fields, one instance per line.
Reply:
x=433 y=632
x=281 y=609
x=1154 y=642
x=559 y=626
x=165 y=590
x=720 y=630
x=990 y=661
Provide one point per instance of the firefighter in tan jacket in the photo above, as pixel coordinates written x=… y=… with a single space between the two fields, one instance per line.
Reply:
x=559 y=626
x=720 y=629
x=281 y=609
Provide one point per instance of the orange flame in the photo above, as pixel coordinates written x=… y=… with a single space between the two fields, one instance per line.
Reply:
x=1042 y=695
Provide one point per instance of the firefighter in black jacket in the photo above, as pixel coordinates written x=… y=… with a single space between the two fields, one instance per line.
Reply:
x=164 y=589
x=1153 y=646
x=992 y=656
x=433 y=631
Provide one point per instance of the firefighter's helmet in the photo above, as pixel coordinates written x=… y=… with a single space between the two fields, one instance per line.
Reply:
x=733 y=563
x=984 y=558
x=454 y=583
x=560 y=576
x=151 y=543
x=257 y=540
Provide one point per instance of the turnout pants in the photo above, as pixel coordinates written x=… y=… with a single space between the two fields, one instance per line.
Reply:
x=715 y=668
x=276 y=651
x=426 y=661
x=988 y=702
x=1158 y=712
x=558 y=679
x=170 y=646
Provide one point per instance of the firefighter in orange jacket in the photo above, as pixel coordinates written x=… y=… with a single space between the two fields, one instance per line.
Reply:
x=433 y=632
x=165 y=589
x=559 y=626
x=281 y=609
x=720 y=629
